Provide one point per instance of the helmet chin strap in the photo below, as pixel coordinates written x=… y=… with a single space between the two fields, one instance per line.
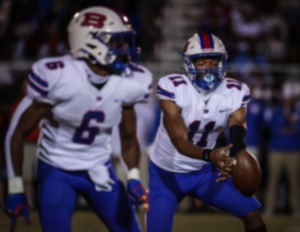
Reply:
x=118 y=66
x=121 y=68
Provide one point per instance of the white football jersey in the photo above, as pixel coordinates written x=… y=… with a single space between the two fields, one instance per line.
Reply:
x=204 y=116
x=78 y=134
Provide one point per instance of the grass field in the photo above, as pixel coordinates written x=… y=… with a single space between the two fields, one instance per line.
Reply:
x=86 y=221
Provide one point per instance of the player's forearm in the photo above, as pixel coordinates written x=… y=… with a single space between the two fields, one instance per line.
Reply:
x=131 y=153
x=16 y=148
x=187 y=148
x=179 y=138
x=237 y=136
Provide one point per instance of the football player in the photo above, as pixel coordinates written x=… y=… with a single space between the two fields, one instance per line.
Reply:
x=197 y=107
x=77 y=99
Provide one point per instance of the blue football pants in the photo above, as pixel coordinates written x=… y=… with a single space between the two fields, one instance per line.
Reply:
x=167 y=189
x=58 y=191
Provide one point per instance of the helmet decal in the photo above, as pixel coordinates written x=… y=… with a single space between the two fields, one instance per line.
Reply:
x=93 y=19
x=206 y=40
x=186 y=46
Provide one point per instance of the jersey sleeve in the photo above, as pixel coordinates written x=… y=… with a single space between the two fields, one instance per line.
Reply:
x=42 y=77
x=165 y=89
x=241 y=97
x=245 y=95
x=139 y=86
x=142 y=76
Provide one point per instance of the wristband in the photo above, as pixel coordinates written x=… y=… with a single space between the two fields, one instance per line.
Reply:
x=15 y=185
x=133 y=173
x=206 y=154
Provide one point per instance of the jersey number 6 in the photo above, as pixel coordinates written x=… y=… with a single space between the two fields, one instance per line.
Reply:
x=85 y=133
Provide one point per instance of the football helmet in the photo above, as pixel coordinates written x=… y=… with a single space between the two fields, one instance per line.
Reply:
x=205 y=45
x=102 y=36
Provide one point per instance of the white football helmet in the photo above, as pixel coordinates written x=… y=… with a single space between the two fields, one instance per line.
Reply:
x=205 y=45
x=99 y=34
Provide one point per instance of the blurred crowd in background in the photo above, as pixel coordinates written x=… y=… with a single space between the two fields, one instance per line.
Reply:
x=263 y=42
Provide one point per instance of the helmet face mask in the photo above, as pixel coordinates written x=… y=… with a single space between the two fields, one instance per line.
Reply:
x=207 y=78
x=123 y=46
x=103 y=37
x=205 y=46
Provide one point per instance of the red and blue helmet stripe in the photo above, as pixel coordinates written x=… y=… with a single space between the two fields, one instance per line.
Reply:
x=206 y=40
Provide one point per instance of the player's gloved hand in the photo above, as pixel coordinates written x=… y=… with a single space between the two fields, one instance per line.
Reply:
x=16 y=204
x=137 y=193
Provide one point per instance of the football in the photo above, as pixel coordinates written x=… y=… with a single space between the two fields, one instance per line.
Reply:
x=246 y=173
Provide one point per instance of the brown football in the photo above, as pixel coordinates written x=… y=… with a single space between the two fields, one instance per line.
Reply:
x=246 y=173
